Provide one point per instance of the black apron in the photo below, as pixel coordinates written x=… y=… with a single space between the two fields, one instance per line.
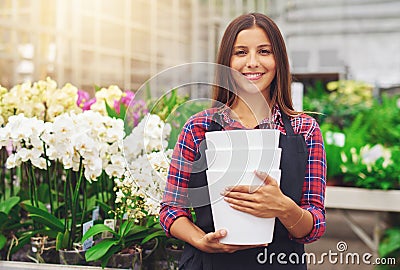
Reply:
x=293 y=165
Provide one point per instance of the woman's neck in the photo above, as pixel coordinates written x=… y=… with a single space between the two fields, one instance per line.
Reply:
x=250 y=109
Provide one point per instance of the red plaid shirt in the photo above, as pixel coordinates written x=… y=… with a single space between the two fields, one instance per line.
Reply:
x=175 y=200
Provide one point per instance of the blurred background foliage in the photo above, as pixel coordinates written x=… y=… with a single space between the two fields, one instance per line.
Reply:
x=361 y=132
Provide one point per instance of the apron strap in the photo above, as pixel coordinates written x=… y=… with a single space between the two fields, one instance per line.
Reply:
x=216 y=123
x=288 y=125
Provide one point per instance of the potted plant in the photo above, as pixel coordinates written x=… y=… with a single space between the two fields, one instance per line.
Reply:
x=389 y=248
x=174 y=250
x=79 y=149
x=336 y=107
x=372 y=167
x=124 y=248
x=338 y=102
x=371 y=153
x=138 y=193
x=9 y=226
x=360 y=132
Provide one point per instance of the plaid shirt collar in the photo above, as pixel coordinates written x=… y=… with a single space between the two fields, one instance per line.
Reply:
x=228 y=123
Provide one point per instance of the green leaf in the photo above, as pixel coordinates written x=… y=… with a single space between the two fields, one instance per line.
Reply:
x=122 y=111
x=96 y=229
x=390 y=243
x=99 y=250
x=105 y=207
x=172 y=100
x=3 y=241
x=12 y=226
x=66 y=242
x=153 y=235
x=111 y=112
x=20 y=244
x=151 y=221
x=125 y=228
x=164 y=100
x=137 y=232
x=148 y=91
x=44 y=193
x=97 y=88
x=40 y=206
x=113 y=250
x=45 y=217
x=158 y=226
x=47 y=232
x=7 y=205
x=59 y=241
x=3 y=219
x=50 y=221
x=137 y=229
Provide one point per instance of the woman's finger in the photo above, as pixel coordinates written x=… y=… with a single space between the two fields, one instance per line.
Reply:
x=240 y=203
x=238 y=195
x=239 y=188
x=215 y=236
x=268 y=180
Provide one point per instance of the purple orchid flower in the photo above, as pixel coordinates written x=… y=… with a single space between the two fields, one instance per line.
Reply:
x=88 y=104
x=83 y=97
x=127 y=97
x=84 y=102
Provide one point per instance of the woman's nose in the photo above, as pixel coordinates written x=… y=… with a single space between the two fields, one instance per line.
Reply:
x=252 y=60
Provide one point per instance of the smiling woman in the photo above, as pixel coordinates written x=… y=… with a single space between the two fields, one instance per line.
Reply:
x=254 y=94
x=252 y=56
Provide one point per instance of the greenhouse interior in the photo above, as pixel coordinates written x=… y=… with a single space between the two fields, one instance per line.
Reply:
x=97 y=96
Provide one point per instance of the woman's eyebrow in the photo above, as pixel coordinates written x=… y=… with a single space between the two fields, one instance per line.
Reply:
x=240 y=47
x=264 y=45
x=244 y=47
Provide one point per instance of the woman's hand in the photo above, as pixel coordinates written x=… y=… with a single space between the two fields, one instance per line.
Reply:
x=186 y=230
x=210 y=243
x=264 y=201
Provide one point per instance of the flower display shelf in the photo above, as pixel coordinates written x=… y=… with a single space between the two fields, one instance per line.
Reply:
x=362 y=199
x=12 y=265
x=377 y=201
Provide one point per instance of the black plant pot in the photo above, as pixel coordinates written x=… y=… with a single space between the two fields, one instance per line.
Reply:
x=72 y=257
x=126 y=260
x=154 y=256
x=44 y=251
x=173 y=257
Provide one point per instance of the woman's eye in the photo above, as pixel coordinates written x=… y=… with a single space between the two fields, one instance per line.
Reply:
x=240 y=53
x=265 y=52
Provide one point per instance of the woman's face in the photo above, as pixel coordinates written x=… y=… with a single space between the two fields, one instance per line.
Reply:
x=252 y=57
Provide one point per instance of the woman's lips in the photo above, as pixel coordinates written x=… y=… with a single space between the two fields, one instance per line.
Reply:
x=253 y=76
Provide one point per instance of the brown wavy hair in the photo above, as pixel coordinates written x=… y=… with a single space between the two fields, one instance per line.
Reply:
x=280 y=91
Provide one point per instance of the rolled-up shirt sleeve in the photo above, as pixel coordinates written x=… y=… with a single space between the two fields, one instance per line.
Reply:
x=175 y=201
x=315 y=182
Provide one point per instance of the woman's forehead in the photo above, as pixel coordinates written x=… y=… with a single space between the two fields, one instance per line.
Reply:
x=252 y=36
